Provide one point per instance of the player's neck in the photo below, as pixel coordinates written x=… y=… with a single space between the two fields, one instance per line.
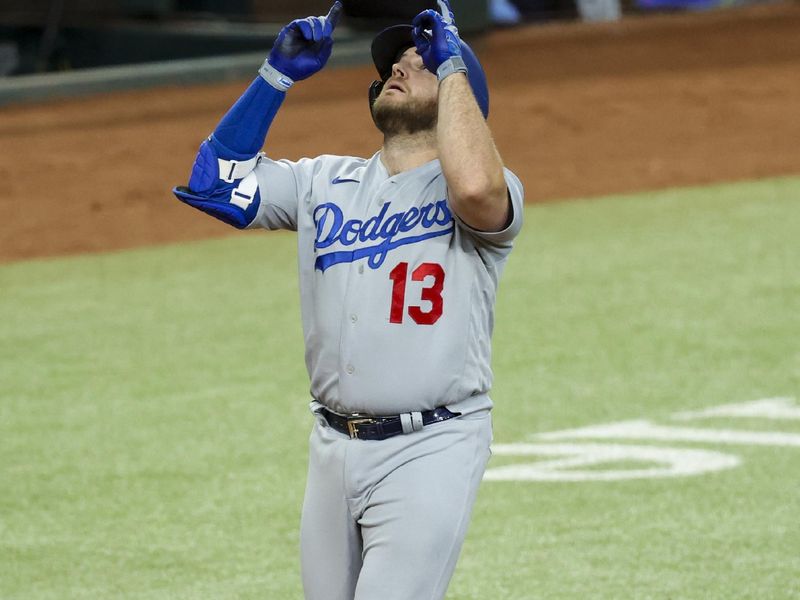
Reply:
x=403 y=152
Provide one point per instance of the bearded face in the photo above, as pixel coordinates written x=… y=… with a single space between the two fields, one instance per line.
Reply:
x=404 y=115
x=407 y=103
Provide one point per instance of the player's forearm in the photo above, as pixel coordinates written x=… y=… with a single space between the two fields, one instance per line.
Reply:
x=470 y=161
x=230 y=152
x=244 y=127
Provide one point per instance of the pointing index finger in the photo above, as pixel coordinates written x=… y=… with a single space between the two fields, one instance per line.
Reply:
x=447 y=12
x=332 y=17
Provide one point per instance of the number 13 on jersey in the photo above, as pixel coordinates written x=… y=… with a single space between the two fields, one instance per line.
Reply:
x=432 y=293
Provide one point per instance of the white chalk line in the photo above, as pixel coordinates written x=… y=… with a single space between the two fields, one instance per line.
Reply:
x=573 y=456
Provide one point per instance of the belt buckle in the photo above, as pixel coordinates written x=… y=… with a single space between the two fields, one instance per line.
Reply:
x=352 y=425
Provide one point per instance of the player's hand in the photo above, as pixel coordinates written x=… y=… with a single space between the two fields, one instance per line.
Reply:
x=436 y=37
x=303 y=47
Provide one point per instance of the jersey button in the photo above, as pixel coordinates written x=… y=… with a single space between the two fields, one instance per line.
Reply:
x=350 y=369
x=354 y=318
x=360 y=268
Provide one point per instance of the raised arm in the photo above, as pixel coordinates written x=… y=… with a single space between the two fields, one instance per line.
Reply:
x=470 y=161
x=222 y=183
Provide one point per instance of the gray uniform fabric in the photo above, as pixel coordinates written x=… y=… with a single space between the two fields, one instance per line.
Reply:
x=350 y=210
x=386 y=519
x=397 y=301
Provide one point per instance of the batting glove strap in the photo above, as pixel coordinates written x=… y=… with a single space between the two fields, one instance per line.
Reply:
x=454 y=64
x=275 y=78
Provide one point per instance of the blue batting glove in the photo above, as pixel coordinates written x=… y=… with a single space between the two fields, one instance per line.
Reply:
x=436 y=37
x=301 y=49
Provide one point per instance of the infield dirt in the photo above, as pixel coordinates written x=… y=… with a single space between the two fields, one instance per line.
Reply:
x=577 y=110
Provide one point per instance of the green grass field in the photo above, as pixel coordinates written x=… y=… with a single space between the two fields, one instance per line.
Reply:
x=153 y=409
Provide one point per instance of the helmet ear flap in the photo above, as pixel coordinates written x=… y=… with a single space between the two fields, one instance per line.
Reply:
x=374 y=91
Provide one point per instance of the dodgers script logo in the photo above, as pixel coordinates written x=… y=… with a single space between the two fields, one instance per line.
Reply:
x=386 y=229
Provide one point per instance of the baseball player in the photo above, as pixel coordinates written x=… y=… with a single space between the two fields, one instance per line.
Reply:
x=399 y=259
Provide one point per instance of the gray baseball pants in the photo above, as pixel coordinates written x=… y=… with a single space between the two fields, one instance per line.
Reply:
x=385 y=520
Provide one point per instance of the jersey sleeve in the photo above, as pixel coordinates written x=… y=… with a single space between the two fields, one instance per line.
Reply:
x=504 y=237
x=282 y=186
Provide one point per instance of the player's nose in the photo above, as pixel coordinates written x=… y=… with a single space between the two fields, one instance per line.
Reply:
x=398 y=70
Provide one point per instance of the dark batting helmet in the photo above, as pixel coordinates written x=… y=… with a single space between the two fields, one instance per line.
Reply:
x=392 y=41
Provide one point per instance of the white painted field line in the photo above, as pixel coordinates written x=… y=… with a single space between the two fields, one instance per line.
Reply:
x=647 y=430
x=566 y=457
x=781 y=408
x=670 y=462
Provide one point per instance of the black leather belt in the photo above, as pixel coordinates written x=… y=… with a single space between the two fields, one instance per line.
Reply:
x=364 y=427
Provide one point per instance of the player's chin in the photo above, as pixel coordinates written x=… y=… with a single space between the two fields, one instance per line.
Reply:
x=404 y=117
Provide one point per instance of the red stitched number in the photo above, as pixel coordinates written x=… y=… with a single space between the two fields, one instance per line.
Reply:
x=431 y=293
x=398 y=275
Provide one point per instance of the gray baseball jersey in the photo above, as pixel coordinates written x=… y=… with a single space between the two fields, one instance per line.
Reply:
x=397 y=294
